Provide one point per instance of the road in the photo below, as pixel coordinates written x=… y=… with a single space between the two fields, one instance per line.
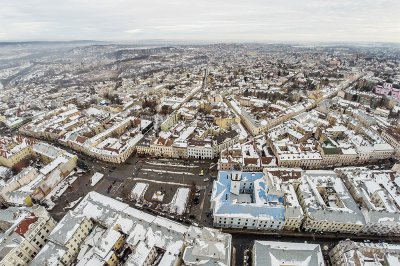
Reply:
x=242 y=241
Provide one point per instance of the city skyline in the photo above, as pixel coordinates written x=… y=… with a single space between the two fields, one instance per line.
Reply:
x=259 y=21
x=182 y=132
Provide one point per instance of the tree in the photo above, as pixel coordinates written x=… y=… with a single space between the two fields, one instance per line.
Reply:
x=113 y=98
x=165 y=110
x=246 y=93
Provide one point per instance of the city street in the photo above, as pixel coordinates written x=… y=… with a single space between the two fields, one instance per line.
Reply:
x=243 y=241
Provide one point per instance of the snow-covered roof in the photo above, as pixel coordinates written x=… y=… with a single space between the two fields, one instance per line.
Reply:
x=275 y=253
x=263 y=205
x=316 y=208
x=66 y=228
x=144 y=231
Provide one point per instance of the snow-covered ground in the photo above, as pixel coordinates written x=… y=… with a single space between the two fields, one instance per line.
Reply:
x=96 y=178
x=50 y=204
x=62 y=187
x=165 y=171
x=162 y=182
x=72 y=204
x=58 y=191
x=158 y=196
x=138 y=190
x=173 y=164
x=178 y=203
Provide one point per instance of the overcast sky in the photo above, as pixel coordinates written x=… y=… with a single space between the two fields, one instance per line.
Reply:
x=207 y=20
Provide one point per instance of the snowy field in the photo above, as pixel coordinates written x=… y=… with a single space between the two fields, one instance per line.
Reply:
x=178 y=203
x=138 y=190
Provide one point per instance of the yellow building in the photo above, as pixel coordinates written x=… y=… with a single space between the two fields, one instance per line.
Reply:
x=14 y=150
x=225 y=122
x=26 y=238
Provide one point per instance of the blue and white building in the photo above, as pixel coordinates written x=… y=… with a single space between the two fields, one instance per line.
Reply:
x=254 y=200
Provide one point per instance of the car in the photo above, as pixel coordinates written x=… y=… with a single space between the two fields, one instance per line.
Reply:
x=192 y=216
x=206 y=179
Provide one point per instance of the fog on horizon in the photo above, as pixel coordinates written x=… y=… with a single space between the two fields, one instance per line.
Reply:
x=254 y=20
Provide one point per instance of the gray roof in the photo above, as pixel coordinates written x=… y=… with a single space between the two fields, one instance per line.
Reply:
x=49 y=255
x=66 y=228
x=274 y=253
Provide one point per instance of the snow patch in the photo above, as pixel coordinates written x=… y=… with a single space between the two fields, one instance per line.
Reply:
x=96 y=178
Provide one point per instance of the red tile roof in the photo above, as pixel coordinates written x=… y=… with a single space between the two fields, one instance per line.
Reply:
x=24 y=225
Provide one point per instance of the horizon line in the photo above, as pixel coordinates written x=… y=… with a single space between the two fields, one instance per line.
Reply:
x=177 y=41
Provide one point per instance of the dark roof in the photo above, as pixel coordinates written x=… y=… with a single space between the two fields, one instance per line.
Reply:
x=222 y=137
